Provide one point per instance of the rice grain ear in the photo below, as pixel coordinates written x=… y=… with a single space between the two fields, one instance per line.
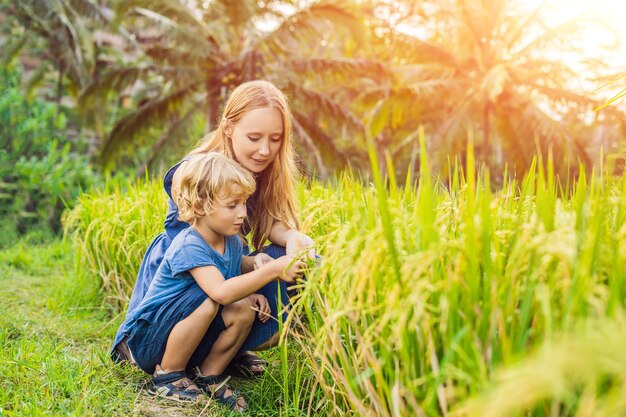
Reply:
x=505 y=271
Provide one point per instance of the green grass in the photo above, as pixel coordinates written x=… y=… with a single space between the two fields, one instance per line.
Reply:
x=52 y=344
x=426 y=293
x=55 y=335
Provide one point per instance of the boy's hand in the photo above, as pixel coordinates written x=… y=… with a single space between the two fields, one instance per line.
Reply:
x=289 y=268
x=259 y=303
x=261 y=259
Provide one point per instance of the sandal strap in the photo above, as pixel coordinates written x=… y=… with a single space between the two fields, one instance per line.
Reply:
x=168 y=377
x=222 y=380
x=218 y=392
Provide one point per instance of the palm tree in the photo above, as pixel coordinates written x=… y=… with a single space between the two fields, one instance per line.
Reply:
x=482 y=66
x=196 y=52
x=59 y=33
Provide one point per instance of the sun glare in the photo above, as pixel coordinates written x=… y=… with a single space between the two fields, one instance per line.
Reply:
x=606 y=36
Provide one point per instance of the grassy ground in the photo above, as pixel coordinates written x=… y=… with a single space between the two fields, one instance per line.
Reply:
x=54 y=339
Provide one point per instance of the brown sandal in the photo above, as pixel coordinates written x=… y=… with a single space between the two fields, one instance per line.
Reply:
x=241 y=366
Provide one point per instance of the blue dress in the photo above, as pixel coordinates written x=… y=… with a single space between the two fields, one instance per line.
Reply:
x=260 y=332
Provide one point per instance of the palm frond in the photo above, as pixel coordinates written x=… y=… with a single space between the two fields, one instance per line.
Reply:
x=36 y=78
x=532 y=70
x=155 y=113
x=179 y=57
x=121 y=78
x=552 y=132
x=12 y=48
x=520 y=26
x=392 y=108
x=322 y=141
x=198 y=38
x=558 y=32
x=309 y=144
x=174 y=13
x=426 y=79
x=416 y=50
x=556 y=94
x=339 y=68
x=325 y=105
x=307 y=24
x=176 y=130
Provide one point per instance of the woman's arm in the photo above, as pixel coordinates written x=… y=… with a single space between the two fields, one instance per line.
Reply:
x=281 y=233
x=247 y=264
x=293 y=240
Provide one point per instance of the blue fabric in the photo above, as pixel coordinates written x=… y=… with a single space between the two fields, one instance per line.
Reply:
x=154 y=255
x=149 y=335
x=260 y=331
x=174 y=294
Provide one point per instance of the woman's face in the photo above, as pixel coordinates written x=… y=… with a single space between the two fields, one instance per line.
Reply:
x=257 y=138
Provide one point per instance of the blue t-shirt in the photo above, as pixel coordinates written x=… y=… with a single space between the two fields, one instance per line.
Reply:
x=187 y=251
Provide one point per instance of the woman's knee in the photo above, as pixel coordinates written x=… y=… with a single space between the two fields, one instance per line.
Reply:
x=274 y=250
x=238 y=312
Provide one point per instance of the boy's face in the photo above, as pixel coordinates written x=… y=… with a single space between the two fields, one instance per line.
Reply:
x=229 y=213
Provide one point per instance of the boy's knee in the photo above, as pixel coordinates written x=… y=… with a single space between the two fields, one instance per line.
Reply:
x=208 y=309
x=242 y=312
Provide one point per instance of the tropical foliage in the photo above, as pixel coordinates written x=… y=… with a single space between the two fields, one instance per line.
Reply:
x=40 y=173
x=154 y=74
x=480 y=68
x=196 y=52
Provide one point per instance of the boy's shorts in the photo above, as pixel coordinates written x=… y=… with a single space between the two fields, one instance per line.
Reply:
x=148 y=337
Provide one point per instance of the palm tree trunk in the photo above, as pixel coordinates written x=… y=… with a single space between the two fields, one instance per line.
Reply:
x=59 y=92
x=213 y=98
x=486 y=151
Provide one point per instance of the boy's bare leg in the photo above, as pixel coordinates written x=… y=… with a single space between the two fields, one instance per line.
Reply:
x=238 y=318
x=186 y=336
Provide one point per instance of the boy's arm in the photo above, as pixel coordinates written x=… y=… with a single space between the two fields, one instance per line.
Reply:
x=224 y=292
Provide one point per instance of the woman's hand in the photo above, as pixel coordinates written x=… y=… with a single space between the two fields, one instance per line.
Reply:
x=297 y=242
x=259 y=303
x=261 y=259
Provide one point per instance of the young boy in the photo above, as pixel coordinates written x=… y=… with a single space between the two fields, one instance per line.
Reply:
x=199 y=308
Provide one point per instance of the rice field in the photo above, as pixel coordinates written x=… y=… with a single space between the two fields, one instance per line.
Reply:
x=441 y=297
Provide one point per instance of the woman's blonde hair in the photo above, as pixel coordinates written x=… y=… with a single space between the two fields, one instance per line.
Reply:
x=276 y=196
x=204 y=179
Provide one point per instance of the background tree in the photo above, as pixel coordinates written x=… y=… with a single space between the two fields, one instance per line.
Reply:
x=196 y=52
x=480 y=66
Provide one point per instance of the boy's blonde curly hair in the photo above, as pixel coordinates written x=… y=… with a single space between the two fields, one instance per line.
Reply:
x=204 y=179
